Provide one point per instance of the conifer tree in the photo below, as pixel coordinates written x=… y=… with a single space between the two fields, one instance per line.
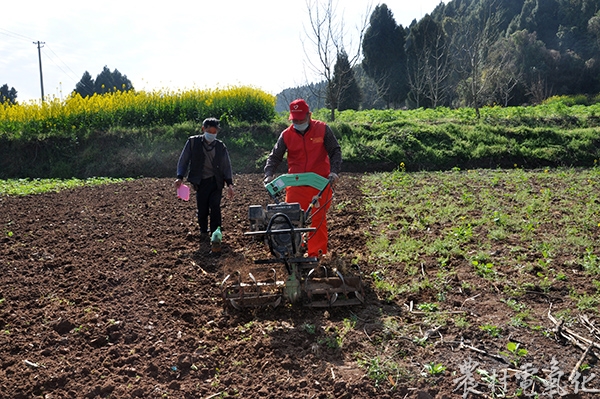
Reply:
x=343 y=92
x=108 y=81
x=384 y=56
x=7 y=95
x=85 y=87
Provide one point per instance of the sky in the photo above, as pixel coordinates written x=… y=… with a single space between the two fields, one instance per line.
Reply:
x=173 y=45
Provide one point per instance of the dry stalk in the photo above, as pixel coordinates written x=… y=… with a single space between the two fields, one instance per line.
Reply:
x=585 y=344
x=578 y=364
x=474 y=349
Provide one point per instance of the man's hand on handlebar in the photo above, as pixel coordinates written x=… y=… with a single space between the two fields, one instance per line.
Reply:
x=333 y=178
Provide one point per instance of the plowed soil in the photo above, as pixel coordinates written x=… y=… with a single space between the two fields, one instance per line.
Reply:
x=108 y=292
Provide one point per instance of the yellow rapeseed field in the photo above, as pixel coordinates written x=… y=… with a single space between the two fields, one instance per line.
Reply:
x=76 y=115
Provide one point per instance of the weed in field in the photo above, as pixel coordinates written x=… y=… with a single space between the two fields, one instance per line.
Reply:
x=342 y=205
x=391 y=327
x=79 y=329
x=466 y=287
x=499 y=218
x=591 y=262
x=544 y=284
x=411 y=270
x=485 y=270
x=497 y=234
x=492 y=330
x=404 y=249
x=462 y=233
x=349 y=324
x=420 y=285
x=331 y=341
x=434 y=369
x=461 y=322
x=518 y=320
x=387 y=287
x=382 y=370
x=428 y=307
x=588 y=303
x=515 y=353
x=309 y=328
x=513 y=304
x=578 y=237
x=584 y=366
x=445 y=247
x=492 y=380
x=546 y=333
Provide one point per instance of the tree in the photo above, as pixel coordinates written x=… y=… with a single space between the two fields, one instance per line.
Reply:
x=8 y=96
x=503 y=84
x=369 y=96
x=428 y=62
x=108 y=81
x=306 y=92
x=593 y=27
x=327 y=34
x=473 y=39
x=343 y=92
x=85 y=87
x=541 y=17
x=384 y=56
x=526 y=64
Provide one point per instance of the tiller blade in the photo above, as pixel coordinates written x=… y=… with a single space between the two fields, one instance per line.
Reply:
x=324 y=292
x=252 y=293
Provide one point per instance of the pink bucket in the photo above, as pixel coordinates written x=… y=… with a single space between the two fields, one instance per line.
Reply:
x=183 y=192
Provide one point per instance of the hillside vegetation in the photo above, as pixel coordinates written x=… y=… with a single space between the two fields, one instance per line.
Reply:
x=130 y=135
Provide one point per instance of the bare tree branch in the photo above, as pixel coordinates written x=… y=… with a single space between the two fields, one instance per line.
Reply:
x=327 y=36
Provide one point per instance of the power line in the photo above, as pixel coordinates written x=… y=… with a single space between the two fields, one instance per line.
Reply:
x=50 y=55
x=13 y=34
x=73 y=75
x=64 y=63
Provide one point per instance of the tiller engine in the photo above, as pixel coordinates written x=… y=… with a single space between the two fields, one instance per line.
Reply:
x=283 y=227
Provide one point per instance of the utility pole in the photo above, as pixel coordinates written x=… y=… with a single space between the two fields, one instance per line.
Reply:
x=40 y=59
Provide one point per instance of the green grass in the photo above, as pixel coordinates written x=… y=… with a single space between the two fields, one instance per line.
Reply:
x=542 y=214
x=41 y=186
x=439 y=240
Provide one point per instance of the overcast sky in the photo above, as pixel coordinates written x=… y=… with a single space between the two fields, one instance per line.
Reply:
x=170 y=45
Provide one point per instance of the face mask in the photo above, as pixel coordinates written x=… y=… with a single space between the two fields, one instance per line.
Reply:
x=210 y=137
x=301 y=127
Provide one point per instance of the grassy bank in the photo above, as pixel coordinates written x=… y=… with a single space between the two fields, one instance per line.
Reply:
x=549 y=135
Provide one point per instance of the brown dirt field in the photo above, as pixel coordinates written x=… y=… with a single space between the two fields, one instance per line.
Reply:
x=107 y=293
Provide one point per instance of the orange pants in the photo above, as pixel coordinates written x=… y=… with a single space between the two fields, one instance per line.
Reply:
x=317 y=241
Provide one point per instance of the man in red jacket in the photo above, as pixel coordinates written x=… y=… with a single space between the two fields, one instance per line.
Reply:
x=311 y=146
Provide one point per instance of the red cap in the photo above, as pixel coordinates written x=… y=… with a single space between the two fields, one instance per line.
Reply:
x=298 y=109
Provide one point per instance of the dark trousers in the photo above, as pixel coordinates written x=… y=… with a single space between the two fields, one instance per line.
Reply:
x=208 y=199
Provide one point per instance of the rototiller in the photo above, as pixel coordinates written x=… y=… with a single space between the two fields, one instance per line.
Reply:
x=284 y=228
